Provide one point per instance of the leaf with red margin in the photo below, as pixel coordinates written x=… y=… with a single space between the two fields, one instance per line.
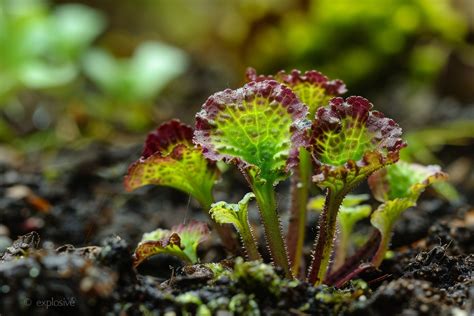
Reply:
x=171 y=159
x=181 y=241
x=349 y=142
x=260 y=127
x=312 y=87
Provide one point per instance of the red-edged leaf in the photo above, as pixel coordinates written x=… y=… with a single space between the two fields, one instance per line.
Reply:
x=260 y=127
x=312 y=87
x=171 y=159
x=349 y=141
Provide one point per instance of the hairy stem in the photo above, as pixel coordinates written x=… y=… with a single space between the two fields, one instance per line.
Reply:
x=341 y=250
x=249 y=242
x=327 y=229
x=300 y=183
x=265 y=196
x=225 y=231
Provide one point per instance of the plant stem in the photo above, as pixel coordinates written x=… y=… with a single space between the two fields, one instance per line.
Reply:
x=225 y=231
x=249 y=242
x=300 y=183
x=363 y=254
x=382 y=249
x=265 y=196
x=341 y=249
x=327 y=228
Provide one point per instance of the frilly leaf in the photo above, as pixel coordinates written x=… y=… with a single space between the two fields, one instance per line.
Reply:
x=235 y=214
x=349 y=142
x=260 y=127
x=181 y=241
x=170 y=159
x=313 y=88
x=403 y=180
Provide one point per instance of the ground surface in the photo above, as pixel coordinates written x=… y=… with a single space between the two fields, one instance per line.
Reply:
x=79 y=228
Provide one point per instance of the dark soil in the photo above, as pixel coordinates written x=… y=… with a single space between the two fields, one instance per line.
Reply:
x=78 y=229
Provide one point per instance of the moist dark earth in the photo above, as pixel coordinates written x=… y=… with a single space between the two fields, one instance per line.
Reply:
x=67 y=234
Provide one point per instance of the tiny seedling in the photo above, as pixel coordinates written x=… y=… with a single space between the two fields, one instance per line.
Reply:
x=260 y=128
x=181 y=241
x=314 y=90
x=398 y=187
x=237 y=215
x=349 y=142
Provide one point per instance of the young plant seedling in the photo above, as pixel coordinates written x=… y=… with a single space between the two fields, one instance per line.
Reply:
x=398 y=186
x=171 y=159
x=181 y=241
x=260 y=128
x=348 y=143
x=349 y=214
x=237 y=215
x=314 y=90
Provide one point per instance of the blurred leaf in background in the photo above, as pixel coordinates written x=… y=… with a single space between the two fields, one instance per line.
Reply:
x=40 y=48
x=129 y=86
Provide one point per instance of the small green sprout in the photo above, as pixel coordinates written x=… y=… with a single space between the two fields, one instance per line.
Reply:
x=259 y=127
x=348 y=143
x=237 y=215
x=181 y=241
x=314 y=90
x=349 y=214
x=398 y=186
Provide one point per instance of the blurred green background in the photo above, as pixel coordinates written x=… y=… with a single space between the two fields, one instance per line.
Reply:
x=77 y=72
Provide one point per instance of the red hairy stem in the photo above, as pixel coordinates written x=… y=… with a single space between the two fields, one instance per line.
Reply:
x=325 y=240
x=363 y=254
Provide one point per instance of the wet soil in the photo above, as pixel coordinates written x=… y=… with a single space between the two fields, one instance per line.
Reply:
x=78 y=229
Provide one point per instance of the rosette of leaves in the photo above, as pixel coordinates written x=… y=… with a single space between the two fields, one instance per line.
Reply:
x=171 y=159
x=349 y=142
x=181 y=241
x=350 y=212
x=237 y=215
x=315 y=90
x=398 y=186
x=260 y=128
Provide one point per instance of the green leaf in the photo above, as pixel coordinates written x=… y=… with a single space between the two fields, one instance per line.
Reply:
x=235 y=214
x=384 y=217
x=170 y=159
x=349 y=142
x=260 y=127
x=404 y=180
x=399 y=187
x=181 y=241
x=313 y=88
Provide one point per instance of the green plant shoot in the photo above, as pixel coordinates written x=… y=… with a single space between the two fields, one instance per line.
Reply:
x=237 y=215
x=398 y=186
